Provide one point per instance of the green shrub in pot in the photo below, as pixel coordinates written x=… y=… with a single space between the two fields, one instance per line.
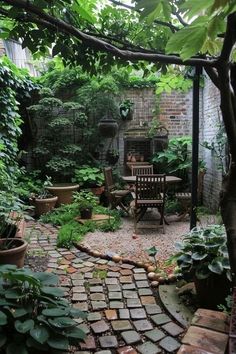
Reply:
x=203 y=256
x=34 y=318
x=86 y=202
x=88 y=177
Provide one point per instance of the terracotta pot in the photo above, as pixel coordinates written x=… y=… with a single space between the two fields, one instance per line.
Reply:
x=212 y=291
x=108 y=128
x=64 y=192
x=43 y=206
x=14 y=255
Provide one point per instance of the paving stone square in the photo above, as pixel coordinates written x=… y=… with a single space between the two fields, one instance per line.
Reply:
x=127 y=350
x=153 y=309
x=148 y=348
x=133 y=303
x=142 y=284
x=148 y=300
x=111 y=281
x=142 y=325
x=126 y=279
x=108 y=342
x=116 y=305
x=115 y=295
x=155 y=335
x=111 y=315
x=124 y=314
x=138 y=313
x=97 y=297
x=113 y=288
x=96 y=289
x=98 y=305
x=99 y=327
x=94 y=316
x=160 y=319
x=129 y=294
x=131 y=337
x=169 y=344
x=144 y=291
x=121 y=325
x=173 y=329
x=140 y=276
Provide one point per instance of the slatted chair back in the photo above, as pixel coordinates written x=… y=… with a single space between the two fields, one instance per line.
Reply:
x=142 y=170
x=109 y=183
x=150 y=190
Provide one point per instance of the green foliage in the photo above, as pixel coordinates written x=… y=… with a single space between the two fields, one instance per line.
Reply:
x=126 y=109
x=218 y=148
x=85 y=199
x=54 y=148
x=176 y=158
x=172 y=81
x=71 y=230
x=204 y=251
x=27 y=183
x=15 y=86
x=87 y=176
x=33 y=315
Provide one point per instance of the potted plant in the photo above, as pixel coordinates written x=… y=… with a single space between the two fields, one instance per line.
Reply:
x=126 y=109
x=90 y=177
x=86 y=201
x=43 y=201
x=12 y=248
x=112 y=156
x=34 y=316
x=203 y=256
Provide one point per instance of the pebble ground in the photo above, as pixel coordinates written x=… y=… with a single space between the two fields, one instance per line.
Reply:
x=124 y=313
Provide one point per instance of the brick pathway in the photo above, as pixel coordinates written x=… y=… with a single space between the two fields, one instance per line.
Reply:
x=124 y=315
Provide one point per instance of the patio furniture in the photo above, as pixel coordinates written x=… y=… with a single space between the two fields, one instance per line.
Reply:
x=141 y=170
x=184 y=198
x=115 y=197
x=150 y=193
x=169 y=179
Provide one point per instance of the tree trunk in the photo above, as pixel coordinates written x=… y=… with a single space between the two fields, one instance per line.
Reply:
x=228 y=212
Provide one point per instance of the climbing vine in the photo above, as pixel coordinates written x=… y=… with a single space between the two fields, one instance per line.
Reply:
x=15 y=85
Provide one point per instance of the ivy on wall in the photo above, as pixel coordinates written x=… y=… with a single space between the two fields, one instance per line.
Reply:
x=15 y=85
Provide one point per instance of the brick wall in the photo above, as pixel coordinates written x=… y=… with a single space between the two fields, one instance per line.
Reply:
x=211 y=116
x=2 y=49
x=175 y=112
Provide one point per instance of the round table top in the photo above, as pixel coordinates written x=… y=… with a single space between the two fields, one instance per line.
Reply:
x=169 y=179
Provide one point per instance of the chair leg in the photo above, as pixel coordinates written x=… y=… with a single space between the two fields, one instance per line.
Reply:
x=162 y=219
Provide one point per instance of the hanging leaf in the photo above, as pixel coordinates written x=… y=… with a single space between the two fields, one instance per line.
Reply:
x=57 y=342
x=23 y=327
x=3 y=319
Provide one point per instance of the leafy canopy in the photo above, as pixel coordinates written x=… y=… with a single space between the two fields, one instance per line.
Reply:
x=134 y=32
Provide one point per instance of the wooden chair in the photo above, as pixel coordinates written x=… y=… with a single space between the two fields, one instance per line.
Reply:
x=150 y=193
x=142 y=170
x=184 y=198
x=115 y=197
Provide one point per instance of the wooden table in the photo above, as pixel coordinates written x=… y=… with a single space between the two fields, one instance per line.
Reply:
x=169 y=179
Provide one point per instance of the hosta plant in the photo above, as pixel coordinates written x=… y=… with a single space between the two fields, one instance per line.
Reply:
x=34 y=317
x=203 y=252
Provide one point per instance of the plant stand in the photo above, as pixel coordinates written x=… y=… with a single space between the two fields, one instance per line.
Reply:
x=97 y=218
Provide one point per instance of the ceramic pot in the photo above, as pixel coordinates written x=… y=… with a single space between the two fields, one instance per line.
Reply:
x=64 y=192
x=15 y=255
x=212 y=291
x=108 y=128
x=43 y=206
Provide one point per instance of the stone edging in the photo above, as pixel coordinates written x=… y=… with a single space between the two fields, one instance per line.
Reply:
x=154 y=278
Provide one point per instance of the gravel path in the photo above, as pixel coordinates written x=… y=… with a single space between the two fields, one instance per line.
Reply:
x=127 y=244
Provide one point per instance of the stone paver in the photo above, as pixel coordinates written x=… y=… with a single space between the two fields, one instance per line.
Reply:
x=124 y=313
x=148 y=348
x=131 y=337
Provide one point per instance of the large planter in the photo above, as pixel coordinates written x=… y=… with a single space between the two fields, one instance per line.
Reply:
x=43 y=206
x=14 y=255
x=108 y=128
x=64 y=192
x=212 y=291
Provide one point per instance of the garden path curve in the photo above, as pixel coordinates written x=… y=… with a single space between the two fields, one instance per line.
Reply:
x=124 y=313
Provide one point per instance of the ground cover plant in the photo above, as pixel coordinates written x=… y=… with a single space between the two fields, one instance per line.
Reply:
x=72 y=231
x=34 y=317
